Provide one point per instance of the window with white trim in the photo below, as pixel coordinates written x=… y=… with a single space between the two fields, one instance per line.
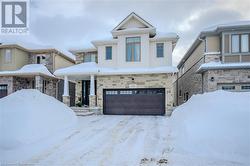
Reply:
x=159 y=50
x=7 y=56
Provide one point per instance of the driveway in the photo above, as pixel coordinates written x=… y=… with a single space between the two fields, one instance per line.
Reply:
x=112 y=140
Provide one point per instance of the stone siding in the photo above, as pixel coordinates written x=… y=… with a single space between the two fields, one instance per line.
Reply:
x=190 y=82
x=239 y=76
x=48 y=60
x=22 y=83
x=7 y=81
x=138 y=81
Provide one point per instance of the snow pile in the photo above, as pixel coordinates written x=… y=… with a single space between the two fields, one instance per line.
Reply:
x=31 y=69
x=214 y=125
x=28 y=116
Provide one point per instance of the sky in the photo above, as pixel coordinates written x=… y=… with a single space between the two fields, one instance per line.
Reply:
x=73 y=24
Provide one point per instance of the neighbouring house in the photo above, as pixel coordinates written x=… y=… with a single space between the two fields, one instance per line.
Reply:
x=131 y=73
x=28 y=66
x=219 y=58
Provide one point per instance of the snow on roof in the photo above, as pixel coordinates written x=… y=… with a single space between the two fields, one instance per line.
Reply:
x=92 y=68
x=33 y=47
x=166 y=35
x=232 y=24
x=79 y=69
x=219 y=65
x=31 y=69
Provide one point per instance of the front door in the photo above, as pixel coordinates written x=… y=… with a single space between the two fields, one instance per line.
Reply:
x=86 y=91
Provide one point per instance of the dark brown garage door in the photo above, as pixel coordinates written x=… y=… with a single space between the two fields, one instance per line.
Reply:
x=134 y=101
x=3 y=91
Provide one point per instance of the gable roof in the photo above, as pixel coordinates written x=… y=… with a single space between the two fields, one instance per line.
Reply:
x=130 y=16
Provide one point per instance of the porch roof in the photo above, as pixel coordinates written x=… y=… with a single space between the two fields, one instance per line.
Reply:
x=29 y=70
x=91 y=68
x=219 y=65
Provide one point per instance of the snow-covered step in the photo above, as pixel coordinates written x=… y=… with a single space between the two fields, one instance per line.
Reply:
x=81 y=113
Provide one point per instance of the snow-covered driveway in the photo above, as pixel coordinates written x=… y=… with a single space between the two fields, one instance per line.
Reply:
x=112 y=140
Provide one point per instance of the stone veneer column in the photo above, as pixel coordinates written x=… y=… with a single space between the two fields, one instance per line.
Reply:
x=92 y=101
x=39 y=83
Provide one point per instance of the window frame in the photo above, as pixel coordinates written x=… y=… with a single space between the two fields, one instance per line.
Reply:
x=162 y=56
x=9 y=59
x=111 y=52
x=133 y=43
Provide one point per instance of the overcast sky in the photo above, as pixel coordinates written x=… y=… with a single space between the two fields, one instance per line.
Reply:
x=75 y=23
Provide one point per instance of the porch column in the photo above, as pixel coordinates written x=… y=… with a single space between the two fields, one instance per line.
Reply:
x=66 y=97
x=92 y=96
x=39 y=83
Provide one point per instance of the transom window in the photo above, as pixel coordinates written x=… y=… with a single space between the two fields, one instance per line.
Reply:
x=7 y=56
x=108 y=53
x=240 y=43
x=133 y=49
x=160 y=49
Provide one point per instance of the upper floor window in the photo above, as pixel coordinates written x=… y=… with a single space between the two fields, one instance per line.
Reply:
x=160 y=49
x=235 y=43
x=40 y=59
x=240 y=43
x=133 y=49
x=7 y=56
x=89 y=57
x=244 y=43
x=108 y=53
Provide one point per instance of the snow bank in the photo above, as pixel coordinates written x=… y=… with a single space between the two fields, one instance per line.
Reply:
x=215 y=125
x=28 y=116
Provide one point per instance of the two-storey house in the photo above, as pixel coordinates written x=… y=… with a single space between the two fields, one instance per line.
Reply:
x=219 y=58
x=131 y=73
x=28 y=66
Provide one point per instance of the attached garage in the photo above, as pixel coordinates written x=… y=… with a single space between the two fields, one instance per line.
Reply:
x=3 y=91
x=150 y=101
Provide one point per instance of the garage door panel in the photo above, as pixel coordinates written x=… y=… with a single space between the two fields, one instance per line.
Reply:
x=137 y=102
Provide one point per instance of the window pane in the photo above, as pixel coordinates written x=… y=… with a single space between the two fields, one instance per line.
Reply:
x=235 y=43
x=108 y=53
x=159 y=49
x=7 y=56
x=244 y=43
x=133 y=48
x=87 y=58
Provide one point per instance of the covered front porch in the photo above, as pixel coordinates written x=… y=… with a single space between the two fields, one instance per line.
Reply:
x=85 y=77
